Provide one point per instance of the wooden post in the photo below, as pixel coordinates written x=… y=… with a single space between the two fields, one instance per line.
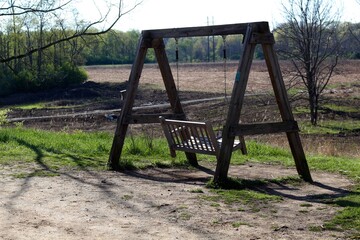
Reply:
x=237 y=98
x=122 y=125
x=265 y=38
x=285 y=110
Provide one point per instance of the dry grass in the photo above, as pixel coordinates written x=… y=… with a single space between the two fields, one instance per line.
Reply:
x=209 y=77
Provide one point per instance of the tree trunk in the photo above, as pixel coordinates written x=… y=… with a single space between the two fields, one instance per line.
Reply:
x=314 y=105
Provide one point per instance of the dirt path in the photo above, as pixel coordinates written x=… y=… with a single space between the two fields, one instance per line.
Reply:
x=162 y=204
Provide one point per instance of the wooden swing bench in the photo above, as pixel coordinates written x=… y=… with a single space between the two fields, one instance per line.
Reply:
x=195 y=137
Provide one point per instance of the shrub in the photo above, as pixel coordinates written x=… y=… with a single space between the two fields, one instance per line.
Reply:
x=28 y=80
x=70 y=74
x=7 y=84
x=25 y=81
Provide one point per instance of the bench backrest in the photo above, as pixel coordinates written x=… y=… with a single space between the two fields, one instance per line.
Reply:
x=197 y=137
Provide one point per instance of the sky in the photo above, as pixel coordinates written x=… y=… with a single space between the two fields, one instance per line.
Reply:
x=158 y=14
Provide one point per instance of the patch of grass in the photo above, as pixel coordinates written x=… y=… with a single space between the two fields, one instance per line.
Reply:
x=3 y=116
x=54 y=105
x=344 y=165
x=306 y=205
x=329 y=127
x=142 y=153
x=303 y=211
x=197 y=190
x=301 y=110
x=346 y=109
x=232 y=183
x=29 y=106
x=238 y=224
x=78 y=150
x=244 y=196
x=259 y=152
x=316 y=228
x=185 y=216
x=126 y=197
x=216 y=205
x=349 y=217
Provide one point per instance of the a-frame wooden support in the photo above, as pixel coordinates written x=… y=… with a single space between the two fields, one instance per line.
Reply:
x=254 y=34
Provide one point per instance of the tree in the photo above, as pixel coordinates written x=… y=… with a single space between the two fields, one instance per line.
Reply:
x=53 y=9
x=42 y=40
x=310 y=39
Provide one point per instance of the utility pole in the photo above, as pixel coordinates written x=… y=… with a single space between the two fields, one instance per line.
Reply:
x=213 y=42
x=208 y=42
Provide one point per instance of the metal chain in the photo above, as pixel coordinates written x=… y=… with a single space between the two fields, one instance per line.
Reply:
x=225 y=66
x=177 y=63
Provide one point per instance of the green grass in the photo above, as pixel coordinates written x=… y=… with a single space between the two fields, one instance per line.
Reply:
x=244 y=196
x=29 y=106
x=46 y=105
x=3 y=116
x=78 y=150
x=301 y=109
x=346 y=109
x=259 y=152
x=53 y=150
x=238 y=224
x=329 y=127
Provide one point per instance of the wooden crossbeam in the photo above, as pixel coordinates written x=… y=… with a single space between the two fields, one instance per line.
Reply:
x=229 y=29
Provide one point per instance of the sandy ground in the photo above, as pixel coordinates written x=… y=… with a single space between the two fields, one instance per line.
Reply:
x=163 y=204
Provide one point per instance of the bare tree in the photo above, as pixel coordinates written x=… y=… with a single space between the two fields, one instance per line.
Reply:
x=311 y=39
x=354 y=32
x=52 y=12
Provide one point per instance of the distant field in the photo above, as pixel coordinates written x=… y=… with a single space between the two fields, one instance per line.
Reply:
x=210 y=76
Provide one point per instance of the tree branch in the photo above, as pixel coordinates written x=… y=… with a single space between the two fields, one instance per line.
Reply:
x=81 y=31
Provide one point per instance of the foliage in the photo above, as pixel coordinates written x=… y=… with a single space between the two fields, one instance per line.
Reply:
x=41 y=46
x=27 y=80
x=3 y=116
x=115 y=47
x=205 y=49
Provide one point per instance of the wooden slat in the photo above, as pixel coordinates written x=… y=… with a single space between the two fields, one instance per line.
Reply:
x=194 y=132
x=264 y=128
x=228 y=29
x=194 y=150
x=193 y=137
x=176 y=135
x=203 y=135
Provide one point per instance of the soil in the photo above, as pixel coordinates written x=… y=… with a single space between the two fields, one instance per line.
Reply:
x=170 y=203
x=165 y=204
